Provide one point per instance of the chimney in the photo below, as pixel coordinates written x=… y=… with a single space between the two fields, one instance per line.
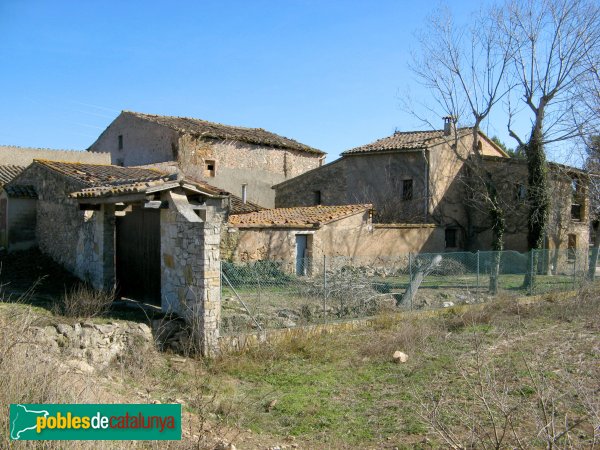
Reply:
x=449 y=122
x=244 y=193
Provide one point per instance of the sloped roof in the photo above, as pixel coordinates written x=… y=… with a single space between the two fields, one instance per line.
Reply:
x=299 y=217
x=21 y=191
x=8 y=172
x=147 y=187
x=237 y=206
x=102 y=174
x=406 y=140
x=214 y=130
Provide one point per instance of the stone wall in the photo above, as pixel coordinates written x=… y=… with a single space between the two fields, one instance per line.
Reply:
x=81 y=241
x=23 y=156
x=235 y=163
x=371 y=178
x=190 y=265
x=351 y=237
x=329 y=179
x=88 y=347
x=238 y=163
x=143 y=142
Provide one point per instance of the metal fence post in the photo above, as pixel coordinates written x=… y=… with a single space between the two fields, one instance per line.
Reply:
x=478 y=273
x=575 y=269
x=324 y=286
x=410 y=277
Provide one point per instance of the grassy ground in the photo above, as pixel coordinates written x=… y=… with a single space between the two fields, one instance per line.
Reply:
x=530 y=370
x=470 y=371
x=343 y=390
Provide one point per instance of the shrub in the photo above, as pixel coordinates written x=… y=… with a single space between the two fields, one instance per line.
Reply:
x=84 y=301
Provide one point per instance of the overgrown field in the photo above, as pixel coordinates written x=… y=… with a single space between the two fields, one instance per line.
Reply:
x=500 y=375
x=505 y=375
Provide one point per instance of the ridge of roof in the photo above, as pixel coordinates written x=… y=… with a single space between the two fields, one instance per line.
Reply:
x=405 y=140
x=215 y=130
x=300 y=217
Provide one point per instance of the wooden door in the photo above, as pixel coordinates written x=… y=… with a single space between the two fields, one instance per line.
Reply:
x=138 y=255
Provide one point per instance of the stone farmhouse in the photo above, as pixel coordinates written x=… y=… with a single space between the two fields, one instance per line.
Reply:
x=426 y=178
x=154 y=236
x=235 y=159
x=296 y=236
x=13 y=161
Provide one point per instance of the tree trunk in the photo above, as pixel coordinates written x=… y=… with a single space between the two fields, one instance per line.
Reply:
x=537 y=196
x=594 y=254
x=498 y=227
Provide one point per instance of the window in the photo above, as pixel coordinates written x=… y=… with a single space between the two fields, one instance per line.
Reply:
x=407 y=189
x=120 y=162
x=317 y=197
x=120 y=142
x=209 y=168
x=577 y=199
x=521 y=192
x=450 y=238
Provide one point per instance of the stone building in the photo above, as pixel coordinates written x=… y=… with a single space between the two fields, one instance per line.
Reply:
x=432 y=178
x=20 y=224
x=567 y=233
x=152 y=236
x=13 y=161
x=232 y=158
x=298 y=235
x=409 y=177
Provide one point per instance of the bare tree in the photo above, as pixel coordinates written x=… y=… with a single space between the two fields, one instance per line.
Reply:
x=553 y=42
x=465 y=68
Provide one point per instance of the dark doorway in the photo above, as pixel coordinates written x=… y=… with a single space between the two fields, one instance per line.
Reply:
x=138 y=255
x=301 y=243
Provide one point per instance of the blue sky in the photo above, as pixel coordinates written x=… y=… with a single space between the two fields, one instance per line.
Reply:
x=330 y=74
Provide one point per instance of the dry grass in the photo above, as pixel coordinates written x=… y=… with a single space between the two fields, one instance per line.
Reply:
x=83 y=301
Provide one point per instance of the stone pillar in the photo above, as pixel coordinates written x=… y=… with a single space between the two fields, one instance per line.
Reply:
x=190 y=267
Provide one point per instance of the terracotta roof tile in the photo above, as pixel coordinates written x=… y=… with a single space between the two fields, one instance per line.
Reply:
x=213 y=130
x=300 y=217
x=119 y=189
x=102 y=174
x=8 y=172
x=238 y=207
x=405 y=140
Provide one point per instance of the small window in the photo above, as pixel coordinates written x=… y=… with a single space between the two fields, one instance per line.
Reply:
x=317 y=197
x=209 y=168
x=577 y=199
x=120 y=142
x=521 y=192
x=407 y=189
x=120 y=162
x=450 y=238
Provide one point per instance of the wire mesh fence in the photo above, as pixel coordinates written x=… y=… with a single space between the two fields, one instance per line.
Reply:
x=278 y=294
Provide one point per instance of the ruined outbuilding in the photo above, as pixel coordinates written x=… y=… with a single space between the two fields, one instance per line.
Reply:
x=152 y=236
